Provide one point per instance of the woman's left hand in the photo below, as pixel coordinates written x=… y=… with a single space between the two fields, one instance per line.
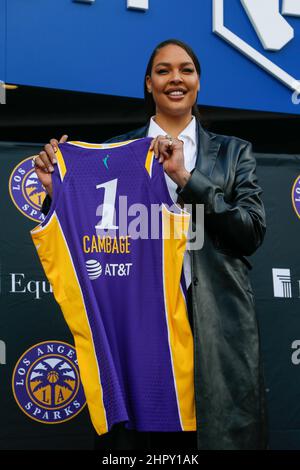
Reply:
x=169 y=152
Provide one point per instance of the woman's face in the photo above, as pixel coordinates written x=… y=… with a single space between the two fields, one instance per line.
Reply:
x=174 y=81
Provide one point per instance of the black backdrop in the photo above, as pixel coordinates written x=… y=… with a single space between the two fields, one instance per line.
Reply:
x=28 y=318
x=279 y=317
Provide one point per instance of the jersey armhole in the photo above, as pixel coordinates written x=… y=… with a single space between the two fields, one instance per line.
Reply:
x=58 y=179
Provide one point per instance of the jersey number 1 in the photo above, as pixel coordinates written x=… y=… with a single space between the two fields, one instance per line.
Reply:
x=108 y=207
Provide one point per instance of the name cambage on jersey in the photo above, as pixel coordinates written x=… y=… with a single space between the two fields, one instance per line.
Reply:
x=113 y=250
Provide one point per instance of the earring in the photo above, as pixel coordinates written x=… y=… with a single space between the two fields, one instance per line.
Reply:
x=150 y=91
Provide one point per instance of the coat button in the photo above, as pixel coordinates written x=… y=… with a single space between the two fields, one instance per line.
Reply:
x=195 y=281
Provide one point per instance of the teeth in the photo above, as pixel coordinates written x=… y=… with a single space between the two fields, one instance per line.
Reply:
x=176 y=93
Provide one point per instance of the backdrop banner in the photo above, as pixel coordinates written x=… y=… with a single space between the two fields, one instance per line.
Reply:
x=42 y=403
x=276 y=282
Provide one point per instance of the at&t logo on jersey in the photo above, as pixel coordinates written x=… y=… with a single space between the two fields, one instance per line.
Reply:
x=94 y=269
x=46 y=383
x=26 y=191
x=296 y=196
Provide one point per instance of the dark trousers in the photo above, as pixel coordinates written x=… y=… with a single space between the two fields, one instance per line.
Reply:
x=120 y=438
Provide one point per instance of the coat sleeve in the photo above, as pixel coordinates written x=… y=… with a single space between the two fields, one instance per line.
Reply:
x=238 y=224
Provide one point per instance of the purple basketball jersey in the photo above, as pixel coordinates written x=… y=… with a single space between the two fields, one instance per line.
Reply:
x=113 y=251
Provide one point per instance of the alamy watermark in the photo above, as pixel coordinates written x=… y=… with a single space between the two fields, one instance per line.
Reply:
x=2 y=93
x=157 y=221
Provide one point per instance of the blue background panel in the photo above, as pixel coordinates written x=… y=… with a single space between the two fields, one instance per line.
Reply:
x=104 y=48
x=2 y=38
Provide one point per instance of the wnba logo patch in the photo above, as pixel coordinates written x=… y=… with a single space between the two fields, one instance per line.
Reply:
x=296 y=196
x=26 y=191
x=46 y=383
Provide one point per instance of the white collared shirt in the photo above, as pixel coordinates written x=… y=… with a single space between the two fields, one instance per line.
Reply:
x=188 y=136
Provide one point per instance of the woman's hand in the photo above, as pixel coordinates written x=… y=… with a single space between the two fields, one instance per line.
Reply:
x=44 y=162
x=169 y=152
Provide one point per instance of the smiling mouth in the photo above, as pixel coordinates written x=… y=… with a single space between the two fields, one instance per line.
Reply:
x=176 y=93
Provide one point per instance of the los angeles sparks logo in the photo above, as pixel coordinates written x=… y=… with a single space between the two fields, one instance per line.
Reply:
x=46 y=383
x=26 y=191
x=296 y=196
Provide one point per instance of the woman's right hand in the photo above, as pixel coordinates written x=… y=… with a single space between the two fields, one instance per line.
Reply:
x=44 y=162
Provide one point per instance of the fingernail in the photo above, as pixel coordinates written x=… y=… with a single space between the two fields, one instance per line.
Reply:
x=54 y=160
x=51 y=168
x=55 y=149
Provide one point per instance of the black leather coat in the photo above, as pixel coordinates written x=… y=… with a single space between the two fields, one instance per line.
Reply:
x=229 y=384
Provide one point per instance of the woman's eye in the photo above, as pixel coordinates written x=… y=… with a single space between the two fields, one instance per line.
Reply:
x=185 y=70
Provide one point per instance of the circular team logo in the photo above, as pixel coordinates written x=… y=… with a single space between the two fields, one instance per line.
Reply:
x=26 y=191
x=46 y=383
x=296 y=196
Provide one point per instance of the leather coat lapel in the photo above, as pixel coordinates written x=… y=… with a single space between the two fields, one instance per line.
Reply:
x=208 y=149
x=139 y=133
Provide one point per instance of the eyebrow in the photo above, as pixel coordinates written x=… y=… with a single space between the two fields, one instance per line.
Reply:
x=168 y=64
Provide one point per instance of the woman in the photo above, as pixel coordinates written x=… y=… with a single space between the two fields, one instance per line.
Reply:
x=218 y=172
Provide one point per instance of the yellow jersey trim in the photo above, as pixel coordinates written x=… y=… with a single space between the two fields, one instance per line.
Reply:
x=175 y=227
x=61 y=164
x=54 y=252
x=100 y=146
x=149 y=162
